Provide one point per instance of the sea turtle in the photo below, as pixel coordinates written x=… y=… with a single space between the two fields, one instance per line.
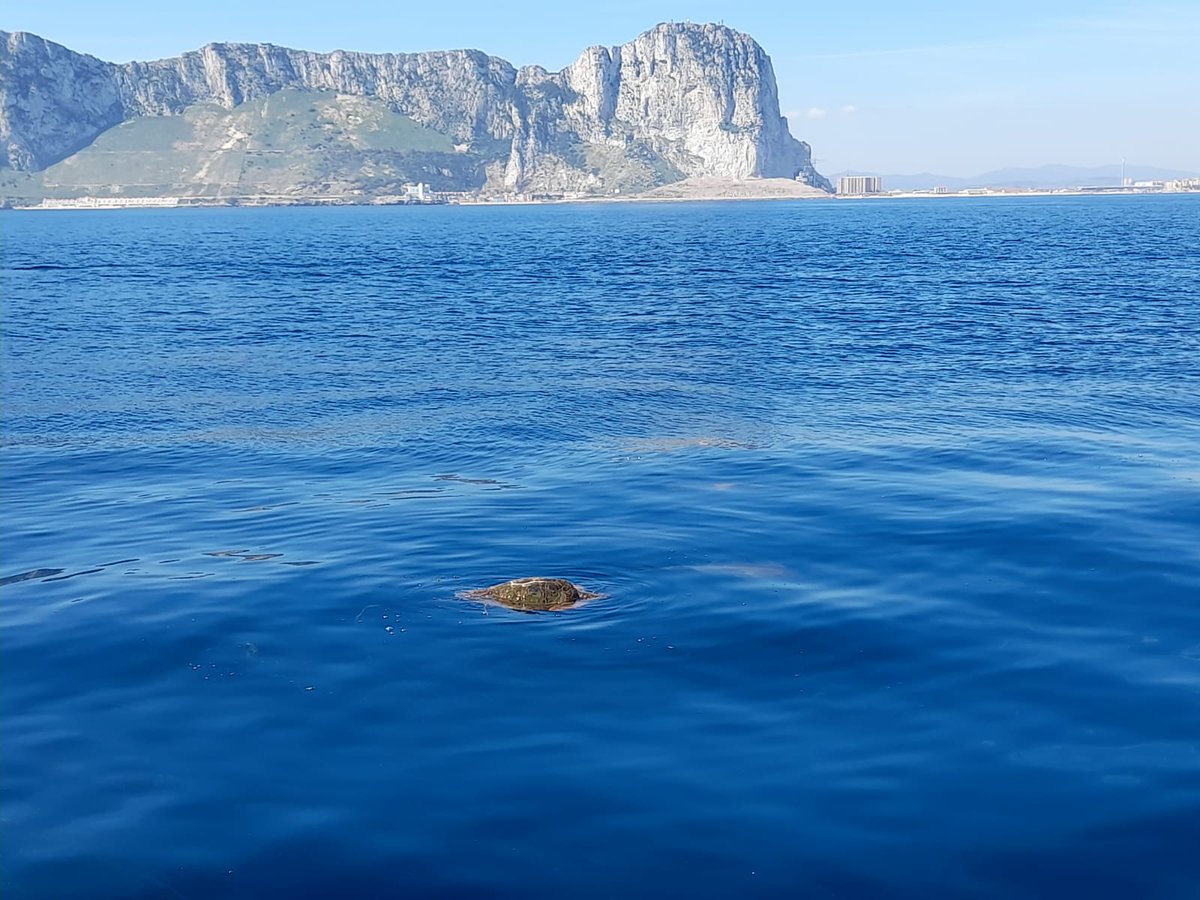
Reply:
x=534 y=594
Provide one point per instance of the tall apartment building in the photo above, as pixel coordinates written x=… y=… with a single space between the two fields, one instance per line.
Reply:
x=860 y=184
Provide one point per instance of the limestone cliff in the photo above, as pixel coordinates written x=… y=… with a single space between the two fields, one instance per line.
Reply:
x=52 y=101
x=680 y=100
x=702 y=97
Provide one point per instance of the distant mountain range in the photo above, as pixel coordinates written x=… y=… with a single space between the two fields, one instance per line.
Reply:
x=1053 y=176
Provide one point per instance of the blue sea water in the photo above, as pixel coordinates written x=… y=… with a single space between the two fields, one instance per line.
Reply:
x=895 y=505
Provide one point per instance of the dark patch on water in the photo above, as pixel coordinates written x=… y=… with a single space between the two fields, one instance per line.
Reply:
x=74 y=574
x=244 y=555
x=31 y=575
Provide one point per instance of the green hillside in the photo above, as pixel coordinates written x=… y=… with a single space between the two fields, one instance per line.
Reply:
x=291 y=143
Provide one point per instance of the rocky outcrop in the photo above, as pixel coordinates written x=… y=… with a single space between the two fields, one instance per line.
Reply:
x=702 y=97
x=678 y=101
x=462 y=93
x=534 y=594
x=52 y=101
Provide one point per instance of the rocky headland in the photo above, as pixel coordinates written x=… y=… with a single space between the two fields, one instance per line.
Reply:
x=680 y=103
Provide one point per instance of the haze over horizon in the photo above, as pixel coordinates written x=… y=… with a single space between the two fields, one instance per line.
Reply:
x=933 y=88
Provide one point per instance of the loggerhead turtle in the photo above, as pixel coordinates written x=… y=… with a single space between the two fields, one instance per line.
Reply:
x=534 y=594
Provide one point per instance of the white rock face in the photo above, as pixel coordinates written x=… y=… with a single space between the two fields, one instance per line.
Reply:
x=463 y=93
x=52 y=101
x=703 y=97
x=680 y=100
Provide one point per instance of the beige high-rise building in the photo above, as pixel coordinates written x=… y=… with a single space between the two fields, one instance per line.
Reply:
x=860 y=184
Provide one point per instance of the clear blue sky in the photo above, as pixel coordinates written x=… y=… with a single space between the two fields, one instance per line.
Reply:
x=954 y=88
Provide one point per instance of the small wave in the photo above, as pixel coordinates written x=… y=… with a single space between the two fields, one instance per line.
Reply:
x=244 y=555
x=478 y=481
x=759 y=571
x=55 y=267
x=1089 y=758
x=74 y=574
x=672 y=444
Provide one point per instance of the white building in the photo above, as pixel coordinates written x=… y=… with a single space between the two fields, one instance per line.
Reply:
x=860 y=184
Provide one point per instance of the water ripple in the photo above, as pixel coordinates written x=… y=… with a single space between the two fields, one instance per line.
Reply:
x=894 y=508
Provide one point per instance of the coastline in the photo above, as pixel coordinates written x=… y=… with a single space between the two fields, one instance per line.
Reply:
x=727 y=190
